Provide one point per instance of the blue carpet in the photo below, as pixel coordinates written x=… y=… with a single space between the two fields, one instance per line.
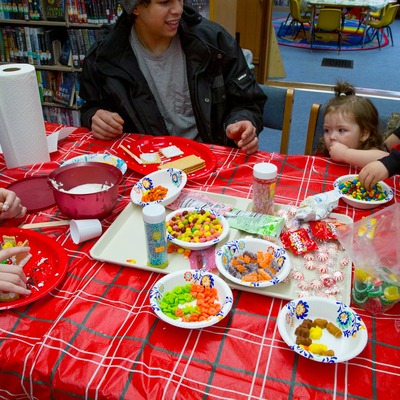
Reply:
x=351 y=37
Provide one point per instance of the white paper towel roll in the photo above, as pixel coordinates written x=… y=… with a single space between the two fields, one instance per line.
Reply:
x=22 y=130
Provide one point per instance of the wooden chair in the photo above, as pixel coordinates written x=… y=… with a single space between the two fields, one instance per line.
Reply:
x=278 y=111
x=379 y=25
x=329 y=20
x=315 y=129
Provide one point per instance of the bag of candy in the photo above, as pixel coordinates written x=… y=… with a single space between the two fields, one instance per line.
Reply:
x=373 y=243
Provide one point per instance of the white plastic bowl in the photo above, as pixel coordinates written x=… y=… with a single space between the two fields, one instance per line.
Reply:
x=173 y=179
x=181 y=278
x=104 y=158
x=199 y=245
x=234 y=248
x=362 y=204
x=354 y=332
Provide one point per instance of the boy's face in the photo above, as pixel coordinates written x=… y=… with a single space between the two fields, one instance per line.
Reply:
x=160 y=18
x=343 y=129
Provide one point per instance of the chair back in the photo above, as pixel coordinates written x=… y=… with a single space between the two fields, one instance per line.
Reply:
x=295 y=11
x=329 y=19
x=315 y=128
x=389 y=15
x=278 y=112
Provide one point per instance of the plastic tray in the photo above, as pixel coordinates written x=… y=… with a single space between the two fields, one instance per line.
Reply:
x=125 y=240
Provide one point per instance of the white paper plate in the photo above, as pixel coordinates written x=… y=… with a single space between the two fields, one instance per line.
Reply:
x=354 y=332
x=182 y=278
x=104 y=158
x=173 y=179
x=234 y=248
x=362 y=204
x=199 y=245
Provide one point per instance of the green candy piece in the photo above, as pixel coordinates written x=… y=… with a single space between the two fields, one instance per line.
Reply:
x=363 y=287
x=358 y=298
x=375 y=291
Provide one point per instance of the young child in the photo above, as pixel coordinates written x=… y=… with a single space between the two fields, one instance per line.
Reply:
x=351 y=128
x=385 y=167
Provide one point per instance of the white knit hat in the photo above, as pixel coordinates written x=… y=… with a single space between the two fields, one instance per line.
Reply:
x=129 y=5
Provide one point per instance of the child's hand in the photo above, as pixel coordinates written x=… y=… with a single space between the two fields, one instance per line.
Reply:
x=372 y=173
x=338 y=151
x=10 y=205
x=12 y=277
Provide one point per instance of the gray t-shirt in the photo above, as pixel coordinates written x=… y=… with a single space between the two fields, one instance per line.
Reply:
x=167 y=78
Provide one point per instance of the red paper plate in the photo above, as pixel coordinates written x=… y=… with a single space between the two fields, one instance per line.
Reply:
x=35 y=193
x=155 y=143
x=46 y=268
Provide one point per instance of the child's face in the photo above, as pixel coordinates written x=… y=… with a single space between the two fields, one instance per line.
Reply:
x=343 y=129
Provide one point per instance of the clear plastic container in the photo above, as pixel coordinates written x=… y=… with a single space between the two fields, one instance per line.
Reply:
x=156 y=238
x=264 y=183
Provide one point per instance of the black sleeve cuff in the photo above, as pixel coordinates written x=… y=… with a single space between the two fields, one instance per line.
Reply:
x=397 y=132
x=392 y=162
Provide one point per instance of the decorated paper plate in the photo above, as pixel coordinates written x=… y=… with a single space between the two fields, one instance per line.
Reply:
x=165 y=185
x=46 y=268
x=170 y=285
x=104 y=158
x=155 y=143
x=364 y=200
x=253 y=262
x=322 y=329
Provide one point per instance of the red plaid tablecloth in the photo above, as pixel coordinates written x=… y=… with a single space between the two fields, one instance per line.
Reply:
x=96 y=337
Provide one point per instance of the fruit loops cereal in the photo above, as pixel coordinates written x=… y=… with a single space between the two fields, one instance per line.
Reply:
x=355 y=190
x=195 y=226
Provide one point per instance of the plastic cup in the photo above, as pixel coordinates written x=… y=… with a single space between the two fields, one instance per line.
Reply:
x=84 y=229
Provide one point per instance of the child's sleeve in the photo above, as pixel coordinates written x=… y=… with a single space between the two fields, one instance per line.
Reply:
x=392 y=161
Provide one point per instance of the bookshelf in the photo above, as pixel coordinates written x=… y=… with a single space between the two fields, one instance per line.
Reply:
x=54 y=36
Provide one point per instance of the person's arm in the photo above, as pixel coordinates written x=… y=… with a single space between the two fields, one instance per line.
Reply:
x=378 y=170
x=341 y=153
x=393 y=139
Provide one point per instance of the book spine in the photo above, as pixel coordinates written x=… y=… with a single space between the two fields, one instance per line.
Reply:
x=49 y=53
x=2 y=48
x=29 y=45
x=74 y=48
x=86 y=41
x=6 y=45
x=81 y=46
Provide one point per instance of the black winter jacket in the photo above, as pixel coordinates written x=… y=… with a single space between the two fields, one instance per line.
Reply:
x=223 y=89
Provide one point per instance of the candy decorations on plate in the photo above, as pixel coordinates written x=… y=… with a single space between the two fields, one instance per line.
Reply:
x=161 y=187
x=45 y=269
x=253 y=262
x=196 y=229
x=322 y=330
x=359 y=197
x=175 y=299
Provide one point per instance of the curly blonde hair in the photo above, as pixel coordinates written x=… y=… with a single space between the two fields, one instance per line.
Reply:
x=361 y=109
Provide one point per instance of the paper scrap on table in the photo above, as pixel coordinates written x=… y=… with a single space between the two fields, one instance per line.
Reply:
x=55 y=137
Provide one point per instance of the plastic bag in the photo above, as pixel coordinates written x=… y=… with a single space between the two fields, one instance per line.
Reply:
x=373 y=243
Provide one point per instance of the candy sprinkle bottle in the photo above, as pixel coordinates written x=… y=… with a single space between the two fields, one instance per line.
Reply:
x=264 y=183
x=156 y=240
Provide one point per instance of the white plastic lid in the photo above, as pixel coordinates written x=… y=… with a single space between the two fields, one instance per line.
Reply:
x=153 y=213
x=265 y=171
